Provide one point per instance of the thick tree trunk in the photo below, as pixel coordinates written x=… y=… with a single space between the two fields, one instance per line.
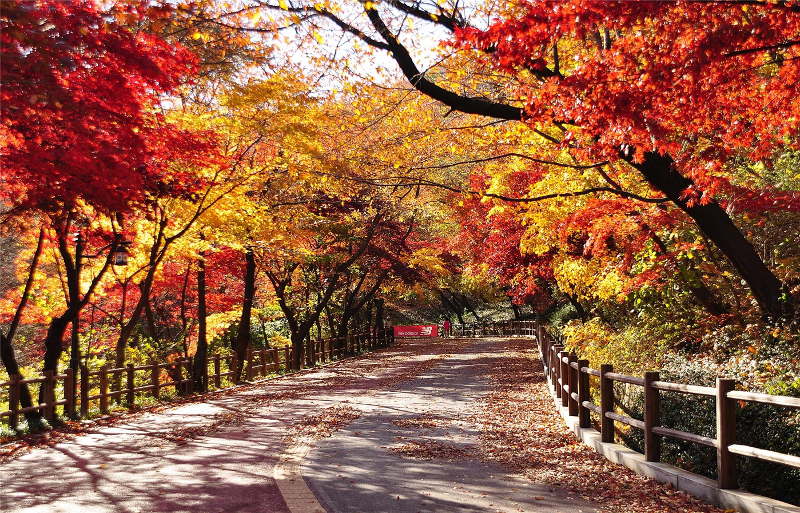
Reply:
x=9 y=359
x=7 y=354
x=297 y=349
x=717 y=225
x=200 y=369
x=578 y=308
x=243 y=336
x=54 y=340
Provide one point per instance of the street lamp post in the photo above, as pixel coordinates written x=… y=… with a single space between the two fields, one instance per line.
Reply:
x=120 y=259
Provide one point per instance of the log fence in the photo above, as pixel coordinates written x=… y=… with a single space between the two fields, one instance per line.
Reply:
x=499 y=329
x=95 y=387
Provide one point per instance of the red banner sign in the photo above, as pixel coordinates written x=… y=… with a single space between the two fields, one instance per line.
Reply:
x=416 y=331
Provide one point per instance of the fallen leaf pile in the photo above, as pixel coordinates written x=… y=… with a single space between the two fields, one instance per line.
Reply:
x=431 y=450
x=423 y=422
x=521 y=429
x=322 y=424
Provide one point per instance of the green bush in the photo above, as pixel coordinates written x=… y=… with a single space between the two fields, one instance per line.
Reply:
x=767 y=427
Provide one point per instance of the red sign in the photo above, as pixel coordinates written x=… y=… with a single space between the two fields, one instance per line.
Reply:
x=416 y=331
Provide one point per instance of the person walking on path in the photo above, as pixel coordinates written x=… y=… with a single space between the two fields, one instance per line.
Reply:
x=446 y=328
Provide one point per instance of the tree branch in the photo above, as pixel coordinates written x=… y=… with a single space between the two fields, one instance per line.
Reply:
x=465 y=104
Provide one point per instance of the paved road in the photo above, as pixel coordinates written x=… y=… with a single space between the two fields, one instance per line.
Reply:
x=220 y=454
x=377 y=463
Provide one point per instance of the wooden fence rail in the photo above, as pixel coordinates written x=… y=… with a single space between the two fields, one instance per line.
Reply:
x=75 y=396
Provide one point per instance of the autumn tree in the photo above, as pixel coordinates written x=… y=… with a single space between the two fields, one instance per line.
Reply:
x=732 y=76
x=81 y=137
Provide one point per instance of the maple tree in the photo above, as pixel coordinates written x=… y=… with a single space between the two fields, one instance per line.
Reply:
x=734 y=70
x=72 y=149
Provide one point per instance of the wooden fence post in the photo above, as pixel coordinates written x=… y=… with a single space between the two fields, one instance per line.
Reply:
x=726 y=434
x=69 y=393
x=564 y=375
x=13 y=401
x=233 y=368
x=556 y=368
x=263 y=361
x=130 y=396
x=606 y=404
x=548 y=355
x=584 y=394
x=652 y=399
x=573 y=385
x=155 y=379
x=217 y=372
x=84 y=390
x=104 y=389
x=49 y=395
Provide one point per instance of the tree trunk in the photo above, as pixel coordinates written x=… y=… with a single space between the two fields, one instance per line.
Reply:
x=368 y=317
x=7 y=355
x=465 y=301
x=243 y=336
x=54 y=340
x=184 y=316
x=578 y=307
x=379 y=313
x=200 y=369
x=717 y=225
x=451 y=305
x=12 y=367
x=150 y=318
x=297 y=350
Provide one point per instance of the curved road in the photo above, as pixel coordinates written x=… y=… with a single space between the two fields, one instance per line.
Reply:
x=409 y=449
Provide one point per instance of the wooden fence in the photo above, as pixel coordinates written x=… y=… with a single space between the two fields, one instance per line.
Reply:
x=571 y=380
x=500 y=329
x=155 y=377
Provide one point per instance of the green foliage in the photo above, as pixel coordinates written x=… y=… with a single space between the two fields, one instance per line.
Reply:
x=563 y=315
x=775 y=429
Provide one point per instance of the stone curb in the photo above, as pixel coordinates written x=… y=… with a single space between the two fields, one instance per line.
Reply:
x=298 y=496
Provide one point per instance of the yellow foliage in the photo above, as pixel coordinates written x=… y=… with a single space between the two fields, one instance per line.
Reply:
x=426 y=259
x=628 y=351
x=587 y=279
